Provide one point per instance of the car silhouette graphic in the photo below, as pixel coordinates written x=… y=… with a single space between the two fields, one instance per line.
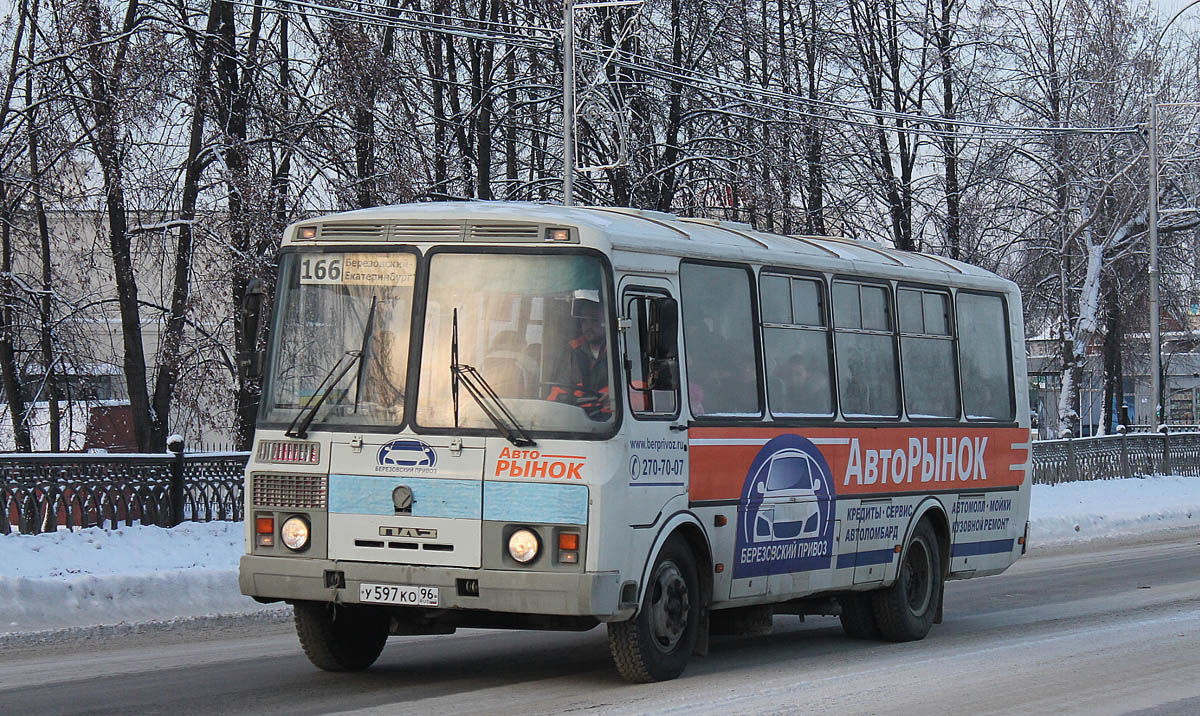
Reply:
x=407 y=453
x=783 y=503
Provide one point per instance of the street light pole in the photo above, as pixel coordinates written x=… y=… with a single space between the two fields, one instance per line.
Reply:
x=1156 y=363
x=1152 y=221
x=568 y=102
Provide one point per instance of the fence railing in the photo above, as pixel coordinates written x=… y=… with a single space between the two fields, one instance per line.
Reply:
x=1130 y=454
x=43 y=492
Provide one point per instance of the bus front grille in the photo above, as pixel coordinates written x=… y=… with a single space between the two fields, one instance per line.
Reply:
x=300 y=491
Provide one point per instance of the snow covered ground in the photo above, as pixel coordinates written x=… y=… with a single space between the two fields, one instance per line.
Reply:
x=72 y=580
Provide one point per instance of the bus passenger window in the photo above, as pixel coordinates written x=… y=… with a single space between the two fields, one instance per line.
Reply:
x=868 y=382
x=796 y=345
x=718 y=331
x=984 y=357
x=927 y=353
x=652 y=355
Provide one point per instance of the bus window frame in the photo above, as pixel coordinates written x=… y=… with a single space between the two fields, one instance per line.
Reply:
x=888 y=285
x=952 y=324
x=415 y=312
x=756 y=341
x=1013 y=419
x=823 y=281
x=634 y=291
x=415 y=355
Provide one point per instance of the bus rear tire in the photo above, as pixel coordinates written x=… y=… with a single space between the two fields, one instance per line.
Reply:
x=656 y=644
x=340 y=637
x=905 y=611
x=858 y=616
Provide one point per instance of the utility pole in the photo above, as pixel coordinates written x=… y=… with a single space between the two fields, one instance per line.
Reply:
x=1152 y=221
x=568 y=102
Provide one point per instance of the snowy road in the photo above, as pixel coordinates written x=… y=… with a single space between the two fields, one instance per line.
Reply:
x=1089 y=630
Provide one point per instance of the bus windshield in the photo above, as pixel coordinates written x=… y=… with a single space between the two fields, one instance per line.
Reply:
x=345 y=318
x=536 y=329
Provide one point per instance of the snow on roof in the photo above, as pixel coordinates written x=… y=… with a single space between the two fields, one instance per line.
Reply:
x=645 y=231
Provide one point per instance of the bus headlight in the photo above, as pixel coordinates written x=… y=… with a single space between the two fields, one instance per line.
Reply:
x=523 y=546
x=294 y=533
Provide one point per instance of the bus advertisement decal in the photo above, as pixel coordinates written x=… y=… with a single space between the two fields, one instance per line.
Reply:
x=869 y=461
x=785 y=521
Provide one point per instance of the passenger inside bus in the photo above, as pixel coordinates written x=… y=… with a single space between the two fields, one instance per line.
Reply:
x=583 y=372
x=795 y=390
x=507 y=366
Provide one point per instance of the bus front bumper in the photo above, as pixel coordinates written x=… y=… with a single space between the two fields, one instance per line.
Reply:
x=572 y=594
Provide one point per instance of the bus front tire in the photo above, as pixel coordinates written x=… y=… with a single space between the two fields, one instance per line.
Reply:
x=655 y=645
x=340 y=637
x=858 y=616
x=905 y=611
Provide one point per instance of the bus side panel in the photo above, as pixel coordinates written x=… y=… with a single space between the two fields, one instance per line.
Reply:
x=824 y=508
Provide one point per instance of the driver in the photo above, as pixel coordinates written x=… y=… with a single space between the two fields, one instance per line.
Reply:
x=587 y=362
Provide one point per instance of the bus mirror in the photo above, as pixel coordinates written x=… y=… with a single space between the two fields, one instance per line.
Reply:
x=663 y=328
x=661 y=349
x=252 y=306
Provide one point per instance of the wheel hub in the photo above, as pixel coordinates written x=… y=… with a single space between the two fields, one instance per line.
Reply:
x=917 y=584
x=670 y=607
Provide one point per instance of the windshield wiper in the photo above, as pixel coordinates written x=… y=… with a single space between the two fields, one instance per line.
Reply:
x=309 y=411
x=362 y=363
x=484 y=395
x=497 y=411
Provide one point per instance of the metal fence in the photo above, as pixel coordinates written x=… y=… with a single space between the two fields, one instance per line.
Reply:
x=42 y=493
x=1131 y=454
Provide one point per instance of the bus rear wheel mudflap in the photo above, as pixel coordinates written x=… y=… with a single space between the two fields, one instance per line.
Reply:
x=340 y=637
x=656 y=644
x=906 y=610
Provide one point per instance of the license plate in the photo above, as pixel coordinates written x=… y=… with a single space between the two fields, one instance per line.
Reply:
x=398 y=594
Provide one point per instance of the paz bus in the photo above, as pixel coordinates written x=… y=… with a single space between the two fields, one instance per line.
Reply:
x=507 y=415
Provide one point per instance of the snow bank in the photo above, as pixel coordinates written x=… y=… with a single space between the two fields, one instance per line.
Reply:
x=133 y=574
x=137 y=574
x=1105 y=509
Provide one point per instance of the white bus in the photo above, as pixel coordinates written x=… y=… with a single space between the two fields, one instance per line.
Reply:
x=526 y=416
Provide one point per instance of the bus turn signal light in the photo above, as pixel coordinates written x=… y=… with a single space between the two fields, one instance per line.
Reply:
x=568 y=547
x=264 y=528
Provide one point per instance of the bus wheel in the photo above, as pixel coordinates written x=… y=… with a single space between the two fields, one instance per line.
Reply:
x=858 y=616
x=905 y=610
x=656 y=644
x=340 y=637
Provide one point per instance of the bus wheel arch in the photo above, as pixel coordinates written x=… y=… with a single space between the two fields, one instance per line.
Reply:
x=685 y=526
x=671 y=621
x=935 y=513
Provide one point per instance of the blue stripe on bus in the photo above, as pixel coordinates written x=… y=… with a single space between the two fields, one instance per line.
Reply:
x=432 y=497
x=863 y=559
x=970 y=549
x=535 y=502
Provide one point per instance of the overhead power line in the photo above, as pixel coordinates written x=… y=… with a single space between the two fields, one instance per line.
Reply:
x=544 y=38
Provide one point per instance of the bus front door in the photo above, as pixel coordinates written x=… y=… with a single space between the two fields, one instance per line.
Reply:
x=657 y=457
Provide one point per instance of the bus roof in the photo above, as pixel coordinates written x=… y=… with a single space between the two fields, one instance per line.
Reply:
x=619 y=230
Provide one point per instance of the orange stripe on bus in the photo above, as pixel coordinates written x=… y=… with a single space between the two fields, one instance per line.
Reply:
x=864 y=461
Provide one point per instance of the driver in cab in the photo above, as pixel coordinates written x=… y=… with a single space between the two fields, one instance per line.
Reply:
x=587 y=361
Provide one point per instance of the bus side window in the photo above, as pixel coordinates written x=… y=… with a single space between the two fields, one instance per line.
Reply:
x=796 y=344
x=868 y=375
x=719 y=340
x=652 y=355
x=984 y=356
